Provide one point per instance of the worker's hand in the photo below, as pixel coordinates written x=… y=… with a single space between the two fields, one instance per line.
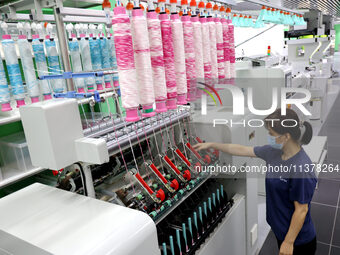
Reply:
x=286 y=248
x=202 y=146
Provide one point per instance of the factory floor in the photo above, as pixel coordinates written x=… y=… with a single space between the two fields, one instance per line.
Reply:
x=325 y=207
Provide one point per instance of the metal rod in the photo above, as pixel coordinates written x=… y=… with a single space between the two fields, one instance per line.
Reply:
x=63 y=46
x=123 y=140
x=89 y=181
x=251 y=38
x=80 y=12
x=51 y=18
x=276 y=6
x=96 y=131
x=71 y=75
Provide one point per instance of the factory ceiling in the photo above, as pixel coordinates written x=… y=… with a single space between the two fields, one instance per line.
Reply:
x=331 y=7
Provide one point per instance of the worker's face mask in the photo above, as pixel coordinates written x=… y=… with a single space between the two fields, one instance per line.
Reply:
x=272 y=142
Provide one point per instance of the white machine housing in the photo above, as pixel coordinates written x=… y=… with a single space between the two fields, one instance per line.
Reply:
x=262 y=80
x=302 y=52
x=54 y=221
x=235 y=183
x=55 y=136
x=264 y=60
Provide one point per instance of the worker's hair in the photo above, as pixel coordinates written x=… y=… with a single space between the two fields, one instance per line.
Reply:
x=301 y=132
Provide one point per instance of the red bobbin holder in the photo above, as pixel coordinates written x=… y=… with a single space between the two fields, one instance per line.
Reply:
x=174 y=184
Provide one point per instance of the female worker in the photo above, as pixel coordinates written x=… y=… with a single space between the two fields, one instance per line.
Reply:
x=288 y=194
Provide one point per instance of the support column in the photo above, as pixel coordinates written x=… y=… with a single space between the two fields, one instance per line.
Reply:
x=63 y=46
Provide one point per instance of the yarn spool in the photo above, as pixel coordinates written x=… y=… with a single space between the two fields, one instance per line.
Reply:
x=126 y=63
x=157 y=61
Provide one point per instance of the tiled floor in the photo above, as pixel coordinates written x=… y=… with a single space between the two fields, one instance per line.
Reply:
x=325 y=208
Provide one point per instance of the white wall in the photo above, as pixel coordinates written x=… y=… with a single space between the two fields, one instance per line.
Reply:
x=259 y=45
